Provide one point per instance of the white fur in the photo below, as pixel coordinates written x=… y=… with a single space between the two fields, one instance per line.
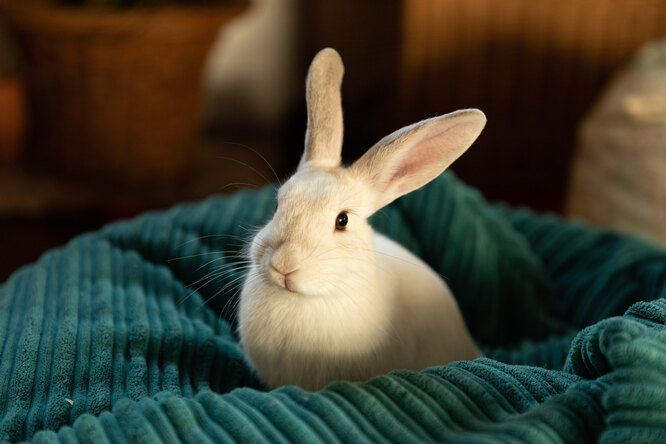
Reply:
x=321 y=304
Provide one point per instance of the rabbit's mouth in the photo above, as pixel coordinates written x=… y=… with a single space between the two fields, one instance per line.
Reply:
x=285 y=280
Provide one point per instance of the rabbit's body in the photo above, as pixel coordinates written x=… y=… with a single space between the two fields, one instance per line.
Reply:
x=326 y=298
x=402 y=315
x=429 y=326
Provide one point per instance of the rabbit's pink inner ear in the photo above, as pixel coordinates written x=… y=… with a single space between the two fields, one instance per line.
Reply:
x=413 y=156
x=419 y=164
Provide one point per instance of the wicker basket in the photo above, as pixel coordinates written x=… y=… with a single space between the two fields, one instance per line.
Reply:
x=115 y=94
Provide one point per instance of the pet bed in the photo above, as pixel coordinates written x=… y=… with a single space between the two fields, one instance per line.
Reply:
x=127 y=334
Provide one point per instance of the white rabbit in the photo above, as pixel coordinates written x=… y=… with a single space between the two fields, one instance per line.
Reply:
x=326 y=298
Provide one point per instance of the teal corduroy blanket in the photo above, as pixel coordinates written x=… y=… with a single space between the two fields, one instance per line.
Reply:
x=127 y=334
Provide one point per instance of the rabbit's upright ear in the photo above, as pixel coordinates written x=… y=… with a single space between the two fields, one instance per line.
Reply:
x=413 y=156
x=323 y=139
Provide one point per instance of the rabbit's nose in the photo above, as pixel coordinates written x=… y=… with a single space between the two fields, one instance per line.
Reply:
x=285 y=258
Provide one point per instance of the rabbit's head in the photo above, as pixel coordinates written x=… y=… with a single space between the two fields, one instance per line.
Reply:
x=319 y=241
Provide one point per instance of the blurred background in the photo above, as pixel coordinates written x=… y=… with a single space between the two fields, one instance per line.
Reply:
x=110 y=108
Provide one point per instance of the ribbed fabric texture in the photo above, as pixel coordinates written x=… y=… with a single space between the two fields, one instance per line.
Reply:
x=127 y=334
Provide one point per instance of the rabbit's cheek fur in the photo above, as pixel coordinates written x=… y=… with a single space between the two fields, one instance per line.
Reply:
x=258 y=246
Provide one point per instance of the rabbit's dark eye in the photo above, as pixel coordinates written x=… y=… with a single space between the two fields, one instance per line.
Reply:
x=341 y=221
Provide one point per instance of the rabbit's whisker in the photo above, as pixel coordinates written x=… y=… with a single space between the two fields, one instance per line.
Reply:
x=253 y=186
x=246 y=165
x=277 y=179
x=224 y=253
x=209 y=236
